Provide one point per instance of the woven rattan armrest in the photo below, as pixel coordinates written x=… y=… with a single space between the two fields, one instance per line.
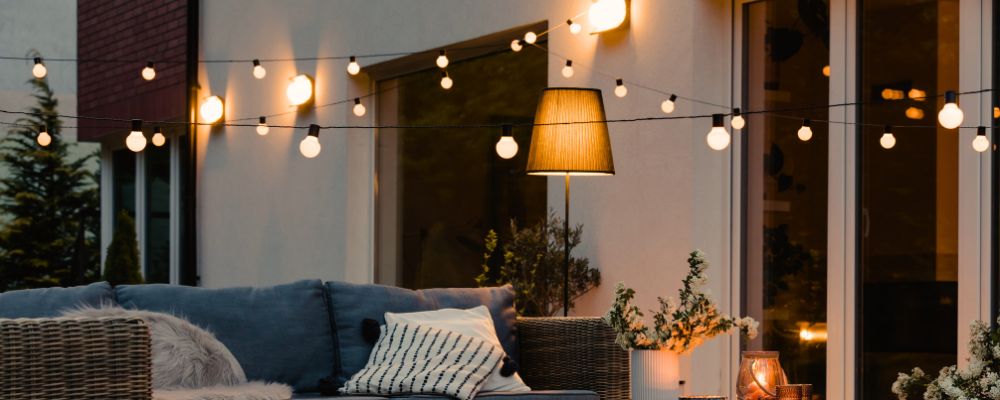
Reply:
x=573 y=353
x=75 y=358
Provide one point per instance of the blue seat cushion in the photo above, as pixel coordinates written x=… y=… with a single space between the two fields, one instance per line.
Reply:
x=51 y=302
x=532 y=395
x=278 y=333
x=352 y=303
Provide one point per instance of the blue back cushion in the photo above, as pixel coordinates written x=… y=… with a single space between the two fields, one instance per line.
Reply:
x=278 y=333
x=352 y=303
x=51 y=302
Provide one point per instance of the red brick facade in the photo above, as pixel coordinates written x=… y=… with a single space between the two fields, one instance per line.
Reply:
x=133 y=31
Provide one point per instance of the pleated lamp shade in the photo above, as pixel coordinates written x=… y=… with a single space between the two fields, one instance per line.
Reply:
x=559 y=147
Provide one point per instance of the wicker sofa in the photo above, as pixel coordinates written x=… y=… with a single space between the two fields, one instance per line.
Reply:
x=109 y=358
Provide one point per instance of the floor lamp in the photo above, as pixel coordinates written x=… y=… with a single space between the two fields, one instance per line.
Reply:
x=570 y=137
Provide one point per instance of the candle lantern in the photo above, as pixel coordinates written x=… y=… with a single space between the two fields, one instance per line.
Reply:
x=759 y=376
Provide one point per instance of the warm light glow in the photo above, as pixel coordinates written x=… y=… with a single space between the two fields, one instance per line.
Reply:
x=310 y=147
x=258 y=70
x=574 y=27
x=737 y=122
x=917 y=94
x=446 y=81
x=607 y=14
x=914 y=113
x=159 y=139
x=981 y=143
x=148 y=73
x=39 y=71
x=300 y=90
x=262 y=128
x=442 y=60
x=667 y=106
x=826 y=70
x=359 y=109
x=44 y=139
x=892 y=94
x=812 y=332
x=620 y=89
x=996 y=112
x=530 y=37
x=950 y=116
x=887 y=141
x=718 y=137
x=506 y=147
x=212 y=109
x=567 y=71
x=353 y=67
x=805 y=132
x=516 y=45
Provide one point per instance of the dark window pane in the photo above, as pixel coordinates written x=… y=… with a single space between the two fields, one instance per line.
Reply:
x=123 y=185
x=157 y=251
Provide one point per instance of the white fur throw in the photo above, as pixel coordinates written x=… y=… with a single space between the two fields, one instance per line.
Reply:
x=249 y=391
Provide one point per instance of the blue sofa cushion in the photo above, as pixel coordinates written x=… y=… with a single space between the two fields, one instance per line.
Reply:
x=351 y=303
x=51 y=302
x=278 y=333
x=532 y=395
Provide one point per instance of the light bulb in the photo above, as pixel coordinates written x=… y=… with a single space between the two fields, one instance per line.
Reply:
x=887 y=141
x=135 y=140
x=737 y=122
x=620 y=89
x=516 y=45
x=718 y=137
x=805 y=132
x=158 y=138
x=353 y=67
x=914 y=113
x=530 y=37
x=917 y=94
x=310 y=147
x=981 y=143
x=211 y=109
x=607 y=14
x=258 y=70
x=574 y=27
x=950 y=115
x=826 y=71
x=567 y=71
x=667 y=106
x=262 y=128
x=359 y=109
x=446 y=81
x=442 y=60
x=506 y=147
x=44 y=139
x=39 y=71
x=300 y=90
x=149 y=72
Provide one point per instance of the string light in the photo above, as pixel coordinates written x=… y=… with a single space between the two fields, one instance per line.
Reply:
x=39 y=71
x=148 y=73
x=826 y=71
x=158 y=138
x=506 y=147
x=605 y=15
x=516 y=45
x=620 y=89
x=442 y=60
x=353 y=67
x=805 y=132
x=981 y=143
x=310 y=147
x=718 y=137
x=574 y=27
x=737 y=122
x=530 y=37
x=300 y=90
x=914 y=113
x=258 y=70
x=567 y=71
x=887 y=141
x=262 y=128
x=950 y=115
x=359 y=109
x=135 y=140
x=212 y=109
x=446 y=81
x=667 y=106
x=44 y=139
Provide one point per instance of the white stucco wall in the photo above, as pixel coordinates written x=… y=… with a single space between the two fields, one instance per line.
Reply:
x=267 y=215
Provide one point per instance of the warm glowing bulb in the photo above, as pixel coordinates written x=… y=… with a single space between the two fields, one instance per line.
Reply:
x=446 y=81
x=996 y=112
x=506 y=147
x=262 y=128
x=300 y=90
x=737 y=122
x=44 y=139
x=805 y=132
x=135 y=141
x=806 y=335
x=442 y=60
x=981 y=143
x=914 y=113
x=148 y=73
x=917 y=94
x=620 y=89
x=359 y=109
x=718 y=137
x=667 y=106
x=353 y=67
x=887 y=141
x=950 y=116
x=310 y=147
x=159 y=139
x=826 y=70
x=39 y=71
x=258 y=70
x=516 y=45
x=211 y=109
x=574 y=27
x=607 y=14
x=530 y=37
x=567 y=71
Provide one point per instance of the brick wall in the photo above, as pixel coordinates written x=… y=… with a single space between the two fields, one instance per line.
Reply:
x=134 y=31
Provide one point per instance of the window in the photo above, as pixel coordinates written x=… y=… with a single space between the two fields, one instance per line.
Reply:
x=157 y=223
x=785 y=229
x=441 y=190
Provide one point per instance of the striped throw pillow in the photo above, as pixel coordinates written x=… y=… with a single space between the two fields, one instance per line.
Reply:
x=415 y=359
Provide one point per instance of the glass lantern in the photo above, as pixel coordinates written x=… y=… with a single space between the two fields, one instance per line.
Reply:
x=760 y=374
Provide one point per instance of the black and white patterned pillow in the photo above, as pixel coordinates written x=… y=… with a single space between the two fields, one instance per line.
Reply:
x=415 y=359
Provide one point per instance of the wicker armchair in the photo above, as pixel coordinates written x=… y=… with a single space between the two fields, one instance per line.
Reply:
x=75 y=358
x=573 y=353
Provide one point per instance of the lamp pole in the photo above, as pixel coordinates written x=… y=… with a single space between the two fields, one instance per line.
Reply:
x=566 y=253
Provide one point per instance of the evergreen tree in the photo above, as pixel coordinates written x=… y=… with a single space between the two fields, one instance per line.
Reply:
x=49 y=205
x=121 y=267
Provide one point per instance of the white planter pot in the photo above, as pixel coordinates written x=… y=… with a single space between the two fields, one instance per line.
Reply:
x=655 y=375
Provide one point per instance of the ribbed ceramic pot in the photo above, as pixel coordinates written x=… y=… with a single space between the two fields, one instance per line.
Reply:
x=655 y=375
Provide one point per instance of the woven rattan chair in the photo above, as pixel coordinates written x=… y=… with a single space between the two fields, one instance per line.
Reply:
x=573 y=353
x=75 y=358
